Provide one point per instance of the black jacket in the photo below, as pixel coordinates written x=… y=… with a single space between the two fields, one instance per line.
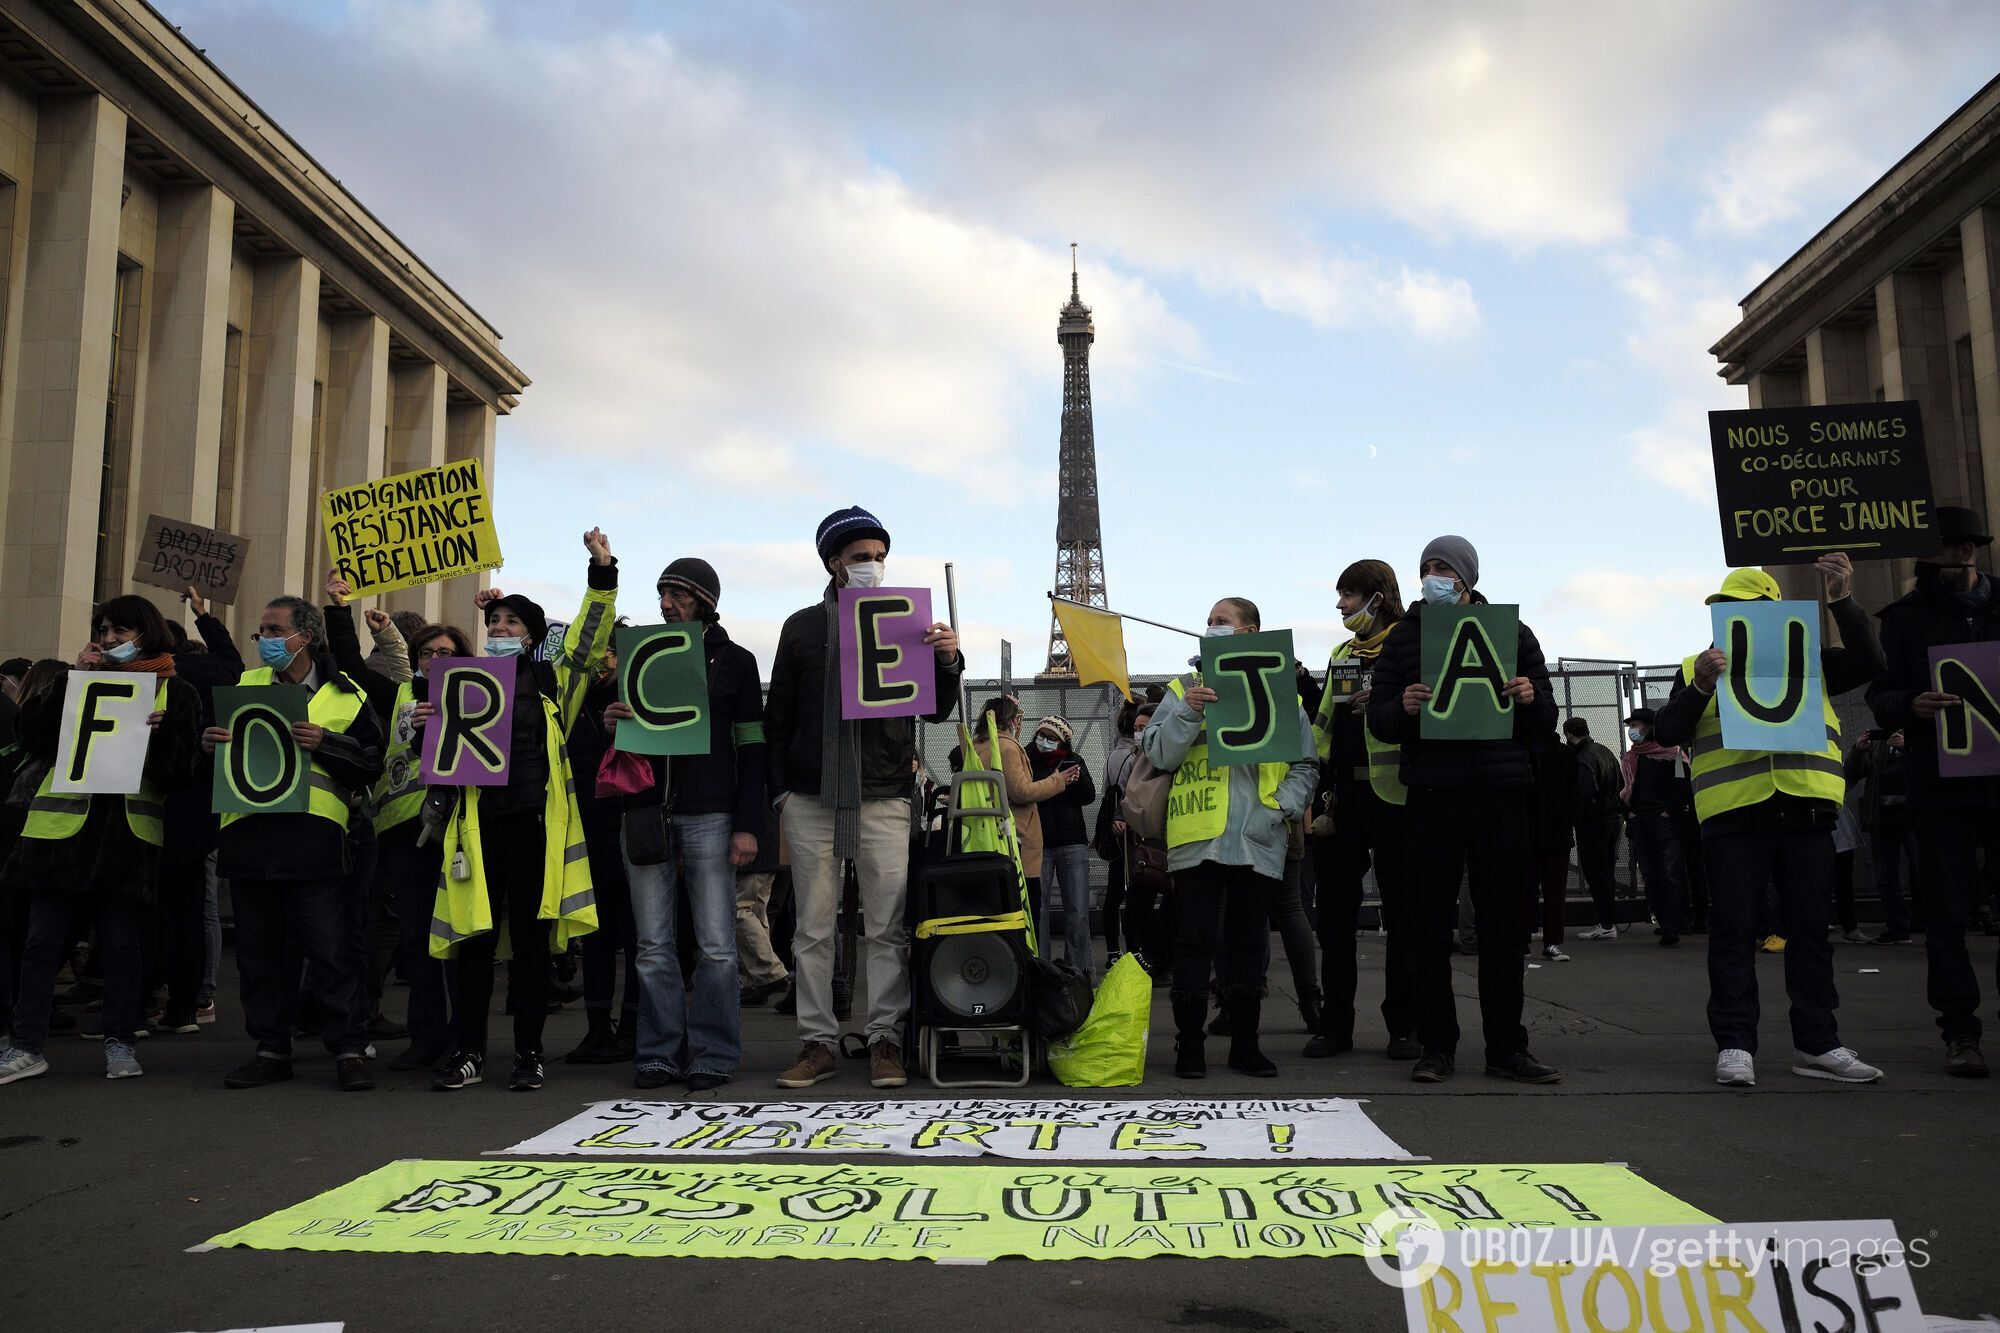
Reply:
x=731 y=778
x=1924 y=619
x=191 y=825
x=1456 y=765
x=1556 y=772
x=1598 y=782
x=293 y=847
x=793 y=716
x=1062 y=814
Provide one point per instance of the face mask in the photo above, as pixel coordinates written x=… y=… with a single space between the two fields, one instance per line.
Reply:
x=1440 y=589
x=1045 y=745
x=867 y=574
x=505 y=647
x=122 y=653
x=1634 y=735
x=1363 y=618
x=273 y=653
x=1219 y=631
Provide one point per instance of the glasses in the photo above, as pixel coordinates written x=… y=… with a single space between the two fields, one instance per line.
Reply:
x=426 y=654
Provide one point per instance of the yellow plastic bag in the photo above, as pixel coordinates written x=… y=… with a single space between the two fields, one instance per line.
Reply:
x=1109 y=1050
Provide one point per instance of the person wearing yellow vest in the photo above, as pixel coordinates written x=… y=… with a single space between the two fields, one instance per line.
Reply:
x=1360 y=773
x=1467 y=819
x=97 y=852
x=1228 y=830
x=288 y=873
x=1767 y=821
x=516 y=860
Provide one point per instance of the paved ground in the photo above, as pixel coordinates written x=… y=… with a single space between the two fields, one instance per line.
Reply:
x=104 y=1186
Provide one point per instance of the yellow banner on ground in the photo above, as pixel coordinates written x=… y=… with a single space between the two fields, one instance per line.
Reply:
x=410 y=529
x=726 y=1210
x=1096 y=645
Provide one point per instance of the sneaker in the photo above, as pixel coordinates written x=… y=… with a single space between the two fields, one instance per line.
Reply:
x=1433 y=1067
x=206 y=1014
x=1600 y=933
x=527 y=1075
x=17 y=1064
x=1839 y=1064
x=1889 y=937
x=759 y=992
x=1669 y=941
x=1522 y=1067
x=1735 y=1069
x=179 y=1025
x=1404 y=1047
x=815 y=1064
x=1554 y=953
x=599 y=1047
x=704 y=1081
x=1853 y=937
x=652 y=1075
x=461 y=1072
x=1324 y=1046
x=885 y=1065
x=260 y=1070
x=388 y=1029
x=83 y=992
x=120 y=1061
x=351 y=1071
x=1962 y=1058
x=416 y=1057
x=788 y=1003
x=1773 y=944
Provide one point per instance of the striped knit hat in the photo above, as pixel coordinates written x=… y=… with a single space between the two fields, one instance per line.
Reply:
x=695 y=577
x=1057 y=726
x=842 y=526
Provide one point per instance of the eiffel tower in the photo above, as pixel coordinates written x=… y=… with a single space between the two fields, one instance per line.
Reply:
x=1079 y=537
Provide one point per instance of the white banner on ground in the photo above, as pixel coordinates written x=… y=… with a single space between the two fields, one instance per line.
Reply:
x=1319 y=1129
x=1772 y=1275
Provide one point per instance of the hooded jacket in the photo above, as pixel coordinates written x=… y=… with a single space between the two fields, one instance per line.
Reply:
x=1926 y=618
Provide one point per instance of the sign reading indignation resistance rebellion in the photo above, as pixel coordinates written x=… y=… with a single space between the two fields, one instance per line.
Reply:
x=1300 y=1129
x=470 y=741
x=886 y=668
x=824 y=1211
x=1794 y=483
x=1969 y=731
x=410 y=529
x=1773 y=696
x=260 y=769
x=1468 y=654
x=661 y=677
x=1255 y=717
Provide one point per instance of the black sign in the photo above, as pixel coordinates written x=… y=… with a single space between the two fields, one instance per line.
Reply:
x=1794 y=483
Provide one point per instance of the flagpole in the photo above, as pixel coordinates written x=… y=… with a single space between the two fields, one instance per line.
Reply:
x=951 y=603
x=1071 y=601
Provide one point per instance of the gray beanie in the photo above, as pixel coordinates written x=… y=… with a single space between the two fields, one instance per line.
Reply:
x=1456 y=552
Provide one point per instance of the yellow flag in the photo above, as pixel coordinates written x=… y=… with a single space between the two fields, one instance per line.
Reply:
x=1096 y=645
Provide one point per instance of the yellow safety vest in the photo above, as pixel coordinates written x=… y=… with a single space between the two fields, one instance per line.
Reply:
x=1726 y=779
x=400 y=793
x=1385 y=759
x=1198 y=804
x=52 y=818
x=334 y=709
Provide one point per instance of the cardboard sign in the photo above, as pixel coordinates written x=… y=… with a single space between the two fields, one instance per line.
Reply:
x=260 y=769
x=1797 y=482
x=815 y=1210
x=1772 y=697
x=1468 y=655
x=408 y=530
x=1255 y=717
x=470 y=741
x=886 y=668
x=178 y=555
x=1767 y=1275
x=101 y=750
x=1279 y=1130
x=1968 y=735
x=662 y=677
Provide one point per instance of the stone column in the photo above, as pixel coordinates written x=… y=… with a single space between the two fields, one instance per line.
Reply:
x=356 y=408
x=50 y=557
x=473 y=430
x=1980 y=232
x=1837 y=372
x=417 y=440
x=277 y=431
x=1916 y=363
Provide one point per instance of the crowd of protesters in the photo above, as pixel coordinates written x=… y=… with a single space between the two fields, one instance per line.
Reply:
x=692 y=888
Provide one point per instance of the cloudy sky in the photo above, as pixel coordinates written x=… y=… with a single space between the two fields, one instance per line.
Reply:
x=1361 y=274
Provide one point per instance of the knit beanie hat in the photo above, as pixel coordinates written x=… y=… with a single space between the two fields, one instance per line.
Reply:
x=842 y=526
x=1058 y=727
x=1456 y=552
x=695 y=577
x=530 y=614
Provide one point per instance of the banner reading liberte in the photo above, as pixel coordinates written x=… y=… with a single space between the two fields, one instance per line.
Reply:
x=410 y=529
x=1303 y=1129
x=962 y=1212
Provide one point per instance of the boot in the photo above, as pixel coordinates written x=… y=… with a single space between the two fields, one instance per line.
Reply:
x=599 y=1045
x=1309 y=1008
x=1190 y=1012
x=1219 y=1025
x=1245 y=1008
x=628 y=1036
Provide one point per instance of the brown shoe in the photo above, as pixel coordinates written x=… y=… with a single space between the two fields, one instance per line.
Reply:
x=816 y=1064
x=1963 y=1060
x=885 y=1065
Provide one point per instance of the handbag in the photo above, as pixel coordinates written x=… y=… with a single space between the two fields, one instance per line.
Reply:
x=1144 y=799
x=622 y=774
x=1146 y=866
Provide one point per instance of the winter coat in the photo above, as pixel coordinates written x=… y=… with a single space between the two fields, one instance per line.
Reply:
x=731 y=778
x=1062 y=814
x=1926 y=618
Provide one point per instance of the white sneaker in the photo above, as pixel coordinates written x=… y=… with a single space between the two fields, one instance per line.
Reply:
x=17 y=1064
x=1600 y=933
x=1839 y=1064
x=1553 y=954
x=1735 y=1069
x=121 y=1061
x=1853 y=937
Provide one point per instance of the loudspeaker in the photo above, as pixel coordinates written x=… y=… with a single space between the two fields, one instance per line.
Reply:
x=980 y=979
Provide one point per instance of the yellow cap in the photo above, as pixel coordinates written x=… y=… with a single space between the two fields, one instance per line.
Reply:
x=1747 y=585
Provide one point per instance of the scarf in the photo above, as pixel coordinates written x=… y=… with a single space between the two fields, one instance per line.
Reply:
x=1370 y=645
x=839 y=760
x=1649 y=749
x=161 y=666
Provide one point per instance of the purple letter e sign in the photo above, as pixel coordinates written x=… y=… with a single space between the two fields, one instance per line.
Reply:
x=886 y=668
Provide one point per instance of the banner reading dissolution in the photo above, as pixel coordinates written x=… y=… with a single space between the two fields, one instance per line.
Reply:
x=662 y=677
x=1772 y=697
x=471 y=740
x=1797 y=482
x=411 y=529
x=1468 y=655
x=810 y=1210
x=886 y=669
x=1255 y=717
x=1969 y=733
x=101 y=749
x=260 y=769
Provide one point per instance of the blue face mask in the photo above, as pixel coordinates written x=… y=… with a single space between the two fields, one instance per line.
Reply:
x=274 y=654
x=1634 y=735
x=505 y=647
x=1440 y=589
x=122 y=653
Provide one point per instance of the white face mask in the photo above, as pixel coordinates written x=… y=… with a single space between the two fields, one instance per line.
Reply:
x=1440 y=589
x=867 y=574
x=1045 y=744
x=1218 y=631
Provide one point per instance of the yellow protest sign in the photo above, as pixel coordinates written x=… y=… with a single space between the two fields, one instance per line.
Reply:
x=410 y=529
x=824 y=1211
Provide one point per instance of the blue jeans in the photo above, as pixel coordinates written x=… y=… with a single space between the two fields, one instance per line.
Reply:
x=1070 y=867
x=708 y=1040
